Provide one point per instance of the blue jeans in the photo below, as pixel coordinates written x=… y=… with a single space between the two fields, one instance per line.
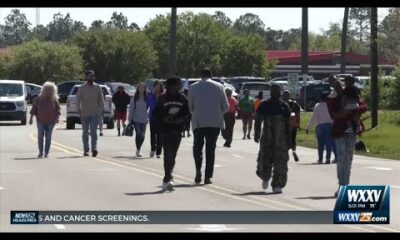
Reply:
x=44 y=131
x=344 y=157
x=325 y=140
x=91 y=122
x=140 y=129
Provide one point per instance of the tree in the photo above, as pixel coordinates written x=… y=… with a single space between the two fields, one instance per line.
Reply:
x=63 y=28
x=40 y=33
x=374 y=67
x=134 y=27
x=119 y=55
x=390 y=35
x=37 y=61
x=344 y=41
x=222 y=19
x=98 y=24
x=359 y=20
x=16 y=29
x=118 y=21
x=248 y=24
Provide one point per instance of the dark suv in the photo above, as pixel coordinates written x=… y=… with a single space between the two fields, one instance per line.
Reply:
x=64 y=89
x=237 y=82
x=313 y=95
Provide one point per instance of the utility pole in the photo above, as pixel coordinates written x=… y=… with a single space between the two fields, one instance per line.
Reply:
x=374 y=67
x=304 y=52
x=344 y=41
x=172 y=43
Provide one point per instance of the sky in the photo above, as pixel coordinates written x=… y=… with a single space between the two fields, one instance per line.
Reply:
x=275 y=18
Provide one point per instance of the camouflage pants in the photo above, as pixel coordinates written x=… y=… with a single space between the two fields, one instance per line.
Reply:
x=273 y=158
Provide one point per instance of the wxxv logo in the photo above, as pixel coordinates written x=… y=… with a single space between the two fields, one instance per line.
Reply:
x=362 y=204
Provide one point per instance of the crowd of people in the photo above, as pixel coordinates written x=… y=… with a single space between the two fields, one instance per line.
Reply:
x=210 y=109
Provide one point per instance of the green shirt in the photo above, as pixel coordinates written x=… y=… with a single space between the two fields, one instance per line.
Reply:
x=246 y=105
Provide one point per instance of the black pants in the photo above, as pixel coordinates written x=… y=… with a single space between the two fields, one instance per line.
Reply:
x=227 y=133
x=155 y=138
x=171 y=142
x=294 y=135
x=210 y=135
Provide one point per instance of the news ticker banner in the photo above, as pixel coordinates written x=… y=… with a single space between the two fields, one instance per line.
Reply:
x=355 y=204
x=171 y=217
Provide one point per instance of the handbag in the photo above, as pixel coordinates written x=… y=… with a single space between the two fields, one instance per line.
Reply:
x=128 y=130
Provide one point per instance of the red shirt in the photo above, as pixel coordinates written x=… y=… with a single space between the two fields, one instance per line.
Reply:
x=232 y=105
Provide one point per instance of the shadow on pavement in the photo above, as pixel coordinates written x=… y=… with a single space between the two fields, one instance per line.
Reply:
x=186 y=185
x=28 y=158
x=254 y=193
x=131 y=158
x=313 y=164
x=10 y=124
x=145 y=193
x=317 y=197
x=70 y=157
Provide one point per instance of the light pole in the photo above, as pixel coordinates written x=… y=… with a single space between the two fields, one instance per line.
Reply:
x=172 y=43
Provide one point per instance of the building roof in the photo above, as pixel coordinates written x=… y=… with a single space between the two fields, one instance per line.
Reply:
x=294 y=57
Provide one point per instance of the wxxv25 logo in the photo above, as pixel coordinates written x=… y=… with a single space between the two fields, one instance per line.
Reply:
x=362 y=205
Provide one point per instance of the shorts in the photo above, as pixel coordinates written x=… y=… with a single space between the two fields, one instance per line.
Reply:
x=247 y=117
x=120 y=116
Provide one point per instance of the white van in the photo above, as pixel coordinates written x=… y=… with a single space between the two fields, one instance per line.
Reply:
x=13 y=106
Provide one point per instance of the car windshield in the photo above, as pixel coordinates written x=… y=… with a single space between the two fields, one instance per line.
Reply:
x=127 y=87
x=10 y=89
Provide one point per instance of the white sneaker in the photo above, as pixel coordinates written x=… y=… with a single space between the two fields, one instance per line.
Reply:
x=277 y=190
x=170 y=186
x=265 y=185
x=138 y=153
x=164 y=186
x=152 y=153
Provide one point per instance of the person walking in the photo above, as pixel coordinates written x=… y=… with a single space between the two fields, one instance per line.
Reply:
x=323 y=122
x=258 y=100
x=121 y=101
x=246 y=108
x=276 y=140
x=343 y=132
x=171 y=113
x=155 y=135
x=46 y=108
x=90 y=104
x=187 y=125
x=294 y=120
x=229 y=118
x=207 y=103
x=138 y=115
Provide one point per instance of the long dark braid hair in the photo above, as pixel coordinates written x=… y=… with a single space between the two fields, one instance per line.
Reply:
x=137 y=94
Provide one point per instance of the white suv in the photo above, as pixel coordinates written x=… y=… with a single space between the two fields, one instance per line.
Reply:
x=13 y=106
x=72 y=113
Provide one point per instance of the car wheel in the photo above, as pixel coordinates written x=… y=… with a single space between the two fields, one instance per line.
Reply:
x=310 y=105
x=23 y=121
x=70 y=124
x=110 y=124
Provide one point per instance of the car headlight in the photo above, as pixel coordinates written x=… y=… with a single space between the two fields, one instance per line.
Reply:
x=21 y=103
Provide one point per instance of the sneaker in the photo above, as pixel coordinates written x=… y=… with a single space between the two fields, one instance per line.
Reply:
x=207 y=181
x=164 y=186
x=225 y=144
x=170 y=186
x=85 y=154
x=334 y=161
x=46 y=156
x=158 y=156
x=138 y=153
x=264 y=185
x=152 y=153
x=94 y=153
x=197 y=179
x=277 y=190
x=101 y=134
x=188 y=135
x=244 y=138
x=40 y=155
x=327 y=161
x=228 y=145
x=248 y=137
x=319 y=161
x=296 y=158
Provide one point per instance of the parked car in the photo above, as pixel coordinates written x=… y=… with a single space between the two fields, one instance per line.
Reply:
x=72 y=113
x=255 y=88
x=64 y=89
x=312 y=94
x=237 y=82
x=283 y=81
x=13 y=105
x=129 y=89
x=226 y=86
x=33 y=91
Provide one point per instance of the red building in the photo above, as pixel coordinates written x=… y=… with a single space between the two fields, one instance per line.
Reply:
x=324 y=63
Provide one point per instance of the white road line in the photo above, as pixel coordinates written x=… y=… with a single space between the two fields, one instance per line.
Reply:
x=237 y=156
x=215 y=165
x=1 y=188
x=212 y=228
x=59 y=226
x=380 y=168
